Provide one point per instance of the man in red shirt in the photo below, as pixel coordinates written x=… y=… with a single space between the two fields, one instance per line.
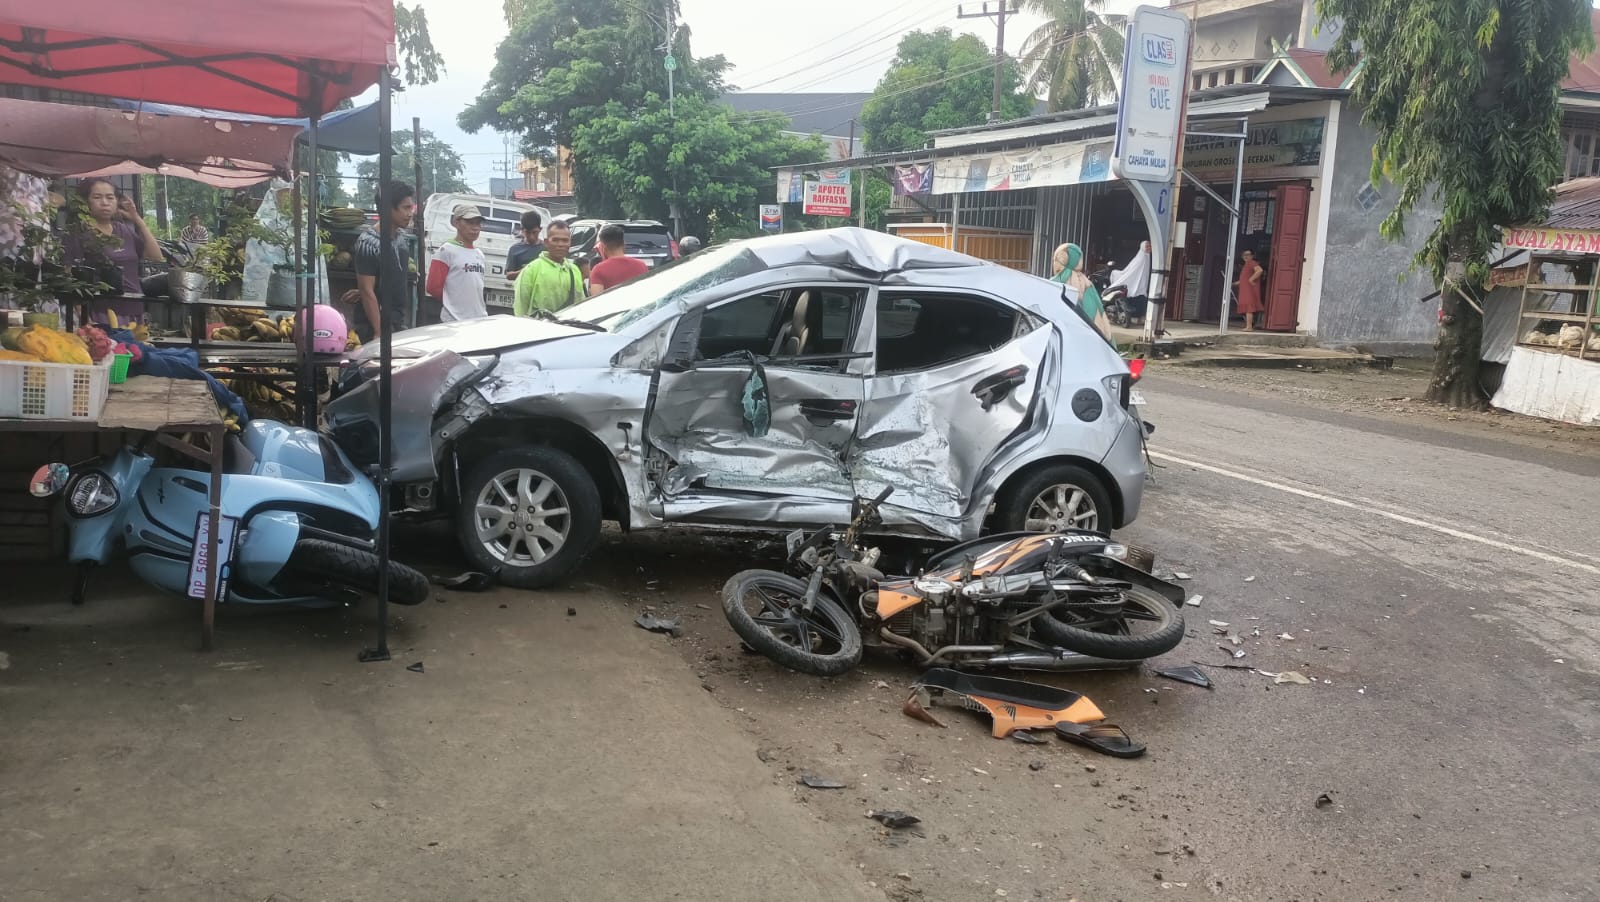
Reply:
x=615 y=266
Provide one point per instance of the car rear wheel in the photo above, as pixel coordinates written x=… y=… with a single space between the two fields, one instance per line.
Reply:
x=533 y=513
x=1054 y=499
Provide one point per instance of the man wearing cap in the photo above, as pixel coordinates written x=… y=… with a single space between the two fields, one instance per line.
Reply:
x=455 y=277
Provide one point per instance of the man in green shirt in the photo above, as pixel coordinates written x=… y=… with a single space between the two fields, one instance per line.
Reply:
x=551 y=281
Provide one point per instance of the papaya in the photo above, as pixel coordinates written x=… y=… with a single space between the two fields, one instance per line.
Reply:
x=19 y=356
x=54 y=347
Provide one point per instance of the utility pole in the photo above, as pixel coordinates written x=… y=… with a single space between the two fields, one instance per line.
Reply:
x=1000 y=9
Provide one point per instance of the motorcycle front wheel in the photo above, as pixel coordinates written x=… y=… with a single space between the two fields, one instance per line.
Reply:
x=315 y=561
x=767 y=610
x=1148 y=625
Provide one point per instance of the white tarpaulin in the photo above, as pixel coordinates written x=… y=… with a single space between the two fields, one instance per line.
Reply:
x=1552 y=386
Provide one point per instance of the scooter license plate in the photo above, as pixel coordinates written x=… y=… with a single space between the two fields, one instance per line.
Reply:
x=1136 y=398
x=793 y=540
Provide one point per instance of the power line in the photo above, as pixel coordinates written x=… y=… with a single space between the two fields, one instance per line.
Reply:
x=776 y=63
x=894 y=31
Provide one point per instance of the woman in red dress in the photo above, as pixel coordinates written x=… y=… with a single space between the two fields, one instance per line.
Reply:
x=1250 y=291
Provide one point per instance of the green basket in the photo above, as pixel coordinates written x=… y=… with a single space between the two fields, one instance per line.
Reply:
x=119 y=368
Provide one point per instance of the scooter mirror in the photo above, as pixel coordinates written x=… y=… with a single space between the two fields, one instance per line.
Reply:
x=49 y=480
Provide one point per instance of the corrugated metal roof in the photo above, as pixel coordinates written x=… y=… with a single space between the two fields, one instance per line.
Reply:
x=1576 y=206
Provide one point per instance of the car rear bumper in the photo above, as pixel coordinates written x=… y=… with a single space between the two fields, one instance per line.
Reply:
x=1125 y=462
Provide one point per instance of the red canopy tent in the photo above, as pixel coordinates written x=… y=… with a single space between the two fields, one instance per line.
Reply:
x=267 y=57
x=261 y=57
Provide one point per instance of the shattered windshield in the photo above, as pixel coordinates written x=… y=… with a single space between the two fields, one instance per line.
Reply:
x=636 y=299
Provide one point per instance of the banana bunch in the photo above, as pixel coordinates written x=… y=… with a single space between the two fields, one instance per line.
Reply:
x=262 y=400
x=258 y=328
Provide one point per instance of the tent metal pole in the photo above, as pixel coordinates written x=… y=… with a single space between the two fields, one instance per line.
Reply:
x=299 y=285
x=307 y=383
x=390 y=268
x=417 y=301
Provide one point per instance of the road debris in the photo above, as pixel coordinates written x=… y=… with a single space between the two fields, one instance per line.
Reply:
x=1029 y=738
x=1035 y=765
x=1291 y=676
x=1249 y=579
x=1324 y=800
x=980 y=772
x=1194 y=601
x=1232 y=652
x=880 y=684
x=896 y=820
x=654 y=624
x=815 y=782
x=572 y=612
x=415 y=668
x=1010 y=704
x=1288 y=637
x=1222 y=624
x=1187 y=674
x=470 y=581
x=916 y=707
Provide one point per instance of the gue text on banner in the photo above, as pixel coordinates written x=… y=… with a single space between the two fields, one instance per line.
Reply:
x=1155 y=80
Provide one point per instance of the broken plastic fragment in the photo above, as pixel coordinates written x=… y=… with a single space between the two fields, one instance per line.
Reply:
x=816 y=782
x=757 y=411
x=895 y=819
x=1249 y=579
x=1292 y=676
x=1186 y=674
x=1221 y=623
x=1029 y=738
x=656 y=624
x=1179 y=574
x=1194 y=600
x=1287 y=636
x=415 y=668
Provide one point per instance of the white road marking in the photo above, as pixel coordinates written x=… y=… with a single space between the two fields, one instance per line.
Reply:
x=1398 y=518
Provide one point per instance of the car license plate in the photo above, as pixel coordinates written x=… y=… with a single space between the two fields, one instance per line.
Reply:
x=496 y=298
x=794 y=540
x=1136 y=398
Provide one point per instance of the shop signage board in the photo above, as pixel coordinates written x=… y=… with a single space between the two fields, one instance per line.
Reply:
x=1155 y=82
x=826 y=199
x=1076 y=163
x=771 y=217
x=1272 y=145
x=1576 y=241
x=792 y=182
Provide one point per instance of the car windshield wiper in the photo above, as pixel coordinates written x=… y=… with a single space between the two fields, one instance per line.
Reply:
x=581 y=324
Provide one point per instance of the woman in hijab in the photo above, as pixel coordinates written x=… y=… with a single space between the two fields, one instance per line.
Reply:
x=1067 y=262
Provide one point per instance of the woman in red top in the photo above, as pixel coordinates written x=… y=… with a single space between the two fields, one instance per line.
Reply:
x=1250 y=291
x=616 y=267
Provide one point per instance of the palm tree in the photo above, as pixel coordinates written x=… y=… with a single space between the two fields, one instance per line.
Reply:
x=1075 y=57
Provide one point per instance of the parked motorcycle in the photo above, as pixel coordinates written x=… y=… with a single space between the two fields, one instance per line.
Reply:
x=298 y=520
x=1033 y=601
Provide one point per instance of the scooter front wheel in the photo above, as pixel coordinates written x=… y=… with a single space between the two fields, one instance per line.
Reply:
x=767 y=610
x=317 y=561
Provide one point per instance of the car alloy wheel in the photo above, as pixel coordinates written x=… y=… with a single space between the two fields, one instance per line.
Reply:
x=522 y=517
x=1061 y=507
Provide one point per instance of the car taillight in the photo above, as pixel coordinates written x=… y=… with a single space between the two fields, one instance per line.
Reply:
x=1136 y=368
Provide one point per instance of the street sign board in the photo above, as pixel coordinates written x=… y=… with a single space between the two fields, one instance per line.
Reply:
x=671 y=62
x=771 y=217
x=1155 y=81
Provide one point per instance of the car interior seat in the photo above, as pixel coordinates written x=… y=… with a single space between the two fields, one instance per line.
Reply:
x=796 y=337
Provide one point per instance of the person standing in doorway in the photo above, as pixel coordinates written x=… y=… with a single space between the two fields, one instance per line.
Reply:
x=551 y=282
x=525 y=251
x=1249 y=288
x=615 y=266
x=455 y=277
x=195 y=234
x=400 y=205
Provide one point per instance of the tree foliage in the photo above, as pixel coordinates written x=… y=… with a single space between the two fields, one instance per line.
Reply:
x=589 y=75
x=442 y=167
x=937 y=80
x=1075 y=57
x=1464 y=97
x=419 y=62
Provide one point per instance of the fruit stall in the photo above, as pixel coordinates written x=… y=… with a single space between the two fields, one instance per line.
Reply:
x=261 y=62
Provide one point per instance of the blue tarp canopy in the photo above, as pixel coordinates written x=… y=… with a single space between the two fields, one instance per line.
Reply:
x=348 y=131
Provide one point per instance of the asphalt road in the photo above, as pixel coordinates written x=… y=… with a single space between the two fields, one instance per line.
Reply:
x=1443 y=593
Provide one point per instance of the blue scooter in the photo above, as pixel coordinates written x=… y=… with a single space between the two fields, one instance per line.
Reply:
x=298 y=520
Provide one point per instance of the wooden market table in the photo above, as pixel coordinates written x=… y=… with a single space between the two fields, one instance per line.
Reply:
x=172 y=410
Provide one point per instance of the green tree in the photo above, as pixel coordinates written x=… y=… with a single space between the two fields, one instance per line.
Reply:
x=442 y=168
x=715 y=164
x=1464 y=96
x=419 y=62
x=1075 y=57
x=936 y=81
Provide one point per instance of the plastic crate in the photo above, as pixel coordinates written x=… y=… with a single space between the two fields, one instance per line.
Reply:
x=54 y=391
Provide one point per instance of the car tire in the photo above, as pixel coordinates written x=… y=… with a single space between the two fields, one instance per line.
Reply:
x=533 y=513
x=1058 y=497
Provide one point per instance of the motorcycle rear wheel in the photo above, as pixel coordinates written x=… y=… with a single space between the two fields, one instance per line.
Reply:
x=317 y=561
x=825 y=642
x=1103 y=640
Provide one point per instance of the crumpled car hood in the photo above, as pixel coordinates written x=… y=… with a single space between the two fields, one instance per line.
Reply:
x=862 y=250
x=473 y=336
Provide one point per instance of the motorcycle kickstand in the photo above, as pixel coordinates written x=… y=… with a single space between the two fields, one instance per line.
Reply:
x=80 y=582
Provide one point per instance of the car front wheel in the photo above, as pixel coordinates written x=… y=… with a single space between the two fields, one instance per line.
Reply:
x=533 y=513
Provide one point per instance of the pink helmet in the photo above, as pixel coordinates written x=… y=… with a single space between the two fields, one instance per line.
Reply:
x=329 y=332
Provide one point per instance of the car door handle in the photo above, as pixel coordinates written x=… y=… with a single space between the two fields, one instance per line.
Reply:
x=992 y=389
x=821 y=411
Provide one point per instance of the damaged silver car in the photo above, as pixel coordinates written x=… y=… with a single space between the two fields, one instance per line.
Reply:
x=760 y=385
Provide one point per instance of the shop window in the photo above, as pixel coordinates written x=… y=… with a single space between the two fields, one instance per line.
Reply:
x=1583 y=151
x=1211 y=80
x=1230 y=76
x=1199 y=82
x=1558 y=307
x=922 y=331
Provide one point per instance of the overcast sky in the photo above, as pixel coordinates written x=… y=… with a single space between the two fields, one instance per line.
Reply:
x=760 y=37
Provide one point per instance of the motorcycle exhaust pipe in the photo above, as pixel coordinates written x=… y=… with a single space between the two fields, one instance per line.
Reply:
x=1058 y=660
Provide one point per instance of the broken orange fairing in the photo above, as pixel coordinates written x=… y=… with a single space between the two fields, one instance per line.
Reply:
x=1009 y=717
x=893 y=601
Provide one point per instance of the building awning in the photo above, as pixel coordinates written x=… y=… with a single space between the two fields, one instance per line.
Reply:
x=57 y=139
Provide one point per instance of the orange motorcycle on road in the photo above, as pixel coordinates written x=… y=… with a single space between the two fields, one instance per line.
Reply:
x=1031 y=601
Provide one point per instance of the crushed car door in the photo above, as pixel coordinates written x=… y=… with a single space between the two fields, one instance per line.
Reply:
x=955 y=377
x=756 y=406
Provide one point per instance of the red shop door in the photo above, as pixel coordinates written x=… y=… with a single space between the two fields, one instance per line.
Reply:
x=1288 y=258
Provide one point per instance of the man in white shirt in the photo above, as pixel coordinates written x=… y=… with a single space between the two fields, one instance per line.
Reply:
x=455 y=277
